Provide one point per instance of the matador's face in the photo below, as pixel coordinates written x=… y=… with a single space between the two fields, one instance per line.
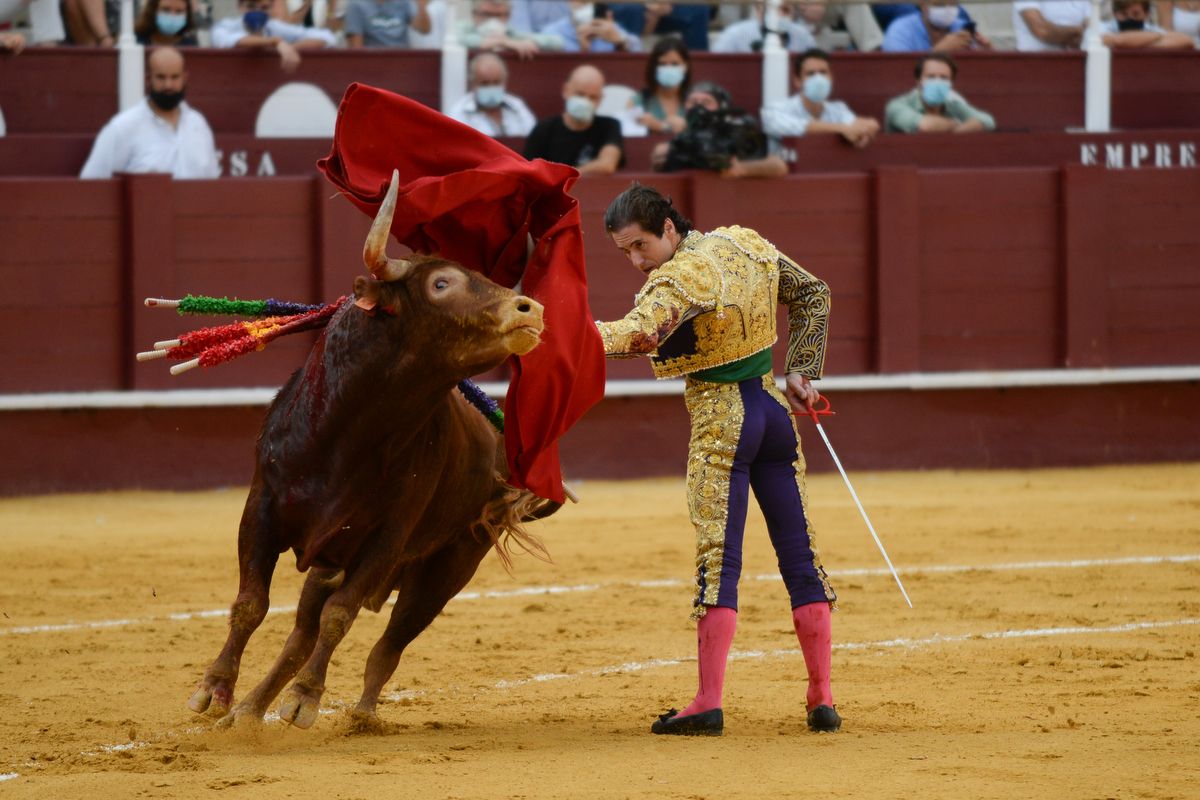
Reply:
x=644 y=250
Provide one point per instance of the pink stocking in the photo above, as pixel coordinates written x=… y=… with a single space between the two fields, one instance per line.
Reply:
x=814 y=631
x=714 y=635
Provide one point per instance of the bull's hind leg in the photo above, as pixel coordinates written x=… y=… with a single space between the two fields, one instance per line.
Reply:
x=425 y=588
x=257 y=556
x=318 y=586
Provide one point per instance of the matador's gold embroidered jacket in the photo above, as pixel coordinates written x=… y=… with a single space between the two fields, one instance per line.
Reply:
x=714 y=303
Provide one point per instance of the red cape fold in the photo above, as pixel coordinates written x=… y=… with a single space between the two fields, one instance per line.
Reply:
x=467 y=197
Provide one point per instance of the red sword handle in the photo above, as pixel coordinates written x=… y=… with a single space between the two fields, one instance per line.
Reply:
x=817 y=410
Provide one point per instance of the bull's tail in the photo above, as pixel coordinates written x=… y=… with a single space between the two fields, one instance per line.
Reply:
x=503 y=522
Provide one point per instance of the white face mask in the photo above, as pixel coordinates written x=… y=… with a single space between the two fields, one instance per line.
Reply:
x=580 y=108
x=942 y=16
x=492 y=27
x=583 y=14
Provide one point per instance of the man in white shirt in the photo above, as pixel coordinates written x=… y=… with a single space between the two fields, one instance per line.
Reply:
x=747 y=36
x=487 y=107
x=160 y=134
x=1050 y=24
x=811 y=111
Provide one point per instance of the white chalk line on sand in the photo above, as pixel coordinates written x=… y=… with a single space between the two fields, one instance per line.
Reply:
x=740 y=655
x=541 y=591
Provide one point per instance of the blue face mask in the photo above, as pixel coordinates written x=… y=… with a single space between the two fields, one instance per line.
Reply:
x=168 y=23
x=817 y=87
x=255 y=20
x=670 y=75
x=935 y=91
x=489 y=96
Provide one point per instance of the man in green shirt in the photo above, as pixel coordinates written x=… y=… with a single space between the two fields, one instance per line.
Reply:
x=933 y=106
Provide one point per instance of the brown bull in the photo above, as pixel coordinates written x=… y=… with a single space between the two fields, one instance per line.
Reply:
x=378 y=474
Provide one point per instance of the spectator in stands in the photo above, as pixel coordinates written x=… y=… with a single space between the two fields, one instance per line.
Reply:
x=590 y=29
x=659 y=106
x=531 y=16
x=45 y=23
x=487 y=107
x=810 y=110
x=1130 y=28
x=489 y=29
x=747 y=36
x=933 y=106
x=686 y=20
x=940 y=26
x=840 y=26
x=11 y=42
x=1050 y=24
x=160 y=134
x=384 y=23
x=166 y=22
x=255 y=29
x=590 y=143
x=1181 y=16
x=715 y=134
x=89 y=23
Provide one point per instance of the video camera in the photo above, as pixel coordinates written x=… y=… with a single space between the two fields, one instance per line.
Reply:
x=712 y=139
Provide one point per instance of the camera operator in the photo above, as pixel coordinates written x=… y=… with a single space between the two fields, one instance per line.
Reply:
x=718 y=138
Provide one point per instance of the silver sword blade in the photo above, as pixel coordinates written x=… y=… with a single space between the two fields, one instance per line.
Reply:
x=838 y=462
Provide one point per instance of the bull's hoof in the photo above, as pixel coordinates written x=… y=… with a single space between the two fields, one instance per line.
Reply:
x=299 y=708
x=213 y=699
x=240 y=716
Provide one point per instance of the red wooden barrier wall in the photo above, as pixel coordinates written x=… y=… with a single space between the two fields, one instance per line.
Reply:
x=931 y=270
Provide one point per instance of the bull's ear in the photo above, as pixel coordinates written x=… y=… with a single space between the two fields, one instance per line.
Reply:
x=366 y=293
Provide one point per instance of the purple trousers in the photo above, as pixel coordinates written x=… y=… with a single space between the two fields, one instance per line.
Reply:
x=744 y=437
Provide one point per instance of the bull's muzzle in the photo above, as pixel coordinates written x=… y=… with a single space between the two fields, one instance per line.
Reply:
x=520 y=319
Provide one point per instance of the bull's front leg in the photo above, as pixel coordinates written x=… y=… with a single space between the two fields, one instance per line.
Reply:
x=303 y=700
x=257 y=556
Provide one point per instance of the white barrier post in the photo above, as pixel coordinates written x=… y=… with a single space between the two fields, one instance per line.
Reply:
x=131 y=64
x=775 y=57
x=1097 y=96
x=454 y=58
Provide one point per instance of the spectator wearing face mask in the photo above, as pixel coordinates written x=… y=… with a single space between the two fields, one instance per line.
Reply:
x=1130 y=28
x=747 y=36
x=487 y=107
x=940 y=26
x=1050 y=24
x=590 y=29
x=257 y=30
x=385 y=23
x=933 y=106
x=578 y=137
x=659 y=106
x=160 y=134
x=166 y=22
x=810 y=111
x=489 y=29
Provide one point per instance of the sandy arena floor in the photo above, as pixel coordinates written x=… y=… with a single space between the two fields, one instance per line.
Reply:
x=1052 y=652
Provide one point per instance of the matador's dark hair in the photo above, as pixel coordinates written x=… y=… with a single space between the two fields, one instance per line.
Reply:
x=648 y=208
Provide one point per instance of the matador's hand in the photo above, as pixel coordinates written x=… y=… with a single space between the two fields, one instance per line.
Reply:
x=800 y=393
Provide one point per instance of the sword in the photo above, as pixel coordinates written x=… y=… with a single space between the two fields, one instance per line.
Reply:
x=815 y=414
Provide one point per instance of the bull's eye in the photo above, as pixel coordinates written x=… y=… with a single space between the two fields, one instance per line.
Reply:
x=440 y=284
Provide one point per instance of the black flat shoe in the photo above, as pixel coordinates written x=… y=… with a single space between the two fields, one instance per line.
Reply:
x=824 y=719
x=706 y=723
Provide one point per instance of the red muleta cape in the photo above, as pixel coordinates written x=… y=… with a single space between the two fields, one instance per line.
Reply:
x=469 y=198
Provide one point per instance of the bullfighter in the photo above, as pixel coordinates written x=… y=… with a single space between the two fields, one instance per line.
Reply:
x=707 y=312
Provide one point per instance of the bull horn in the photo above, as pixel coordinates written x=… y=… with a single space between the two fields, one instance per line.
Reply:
x=375 y=250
